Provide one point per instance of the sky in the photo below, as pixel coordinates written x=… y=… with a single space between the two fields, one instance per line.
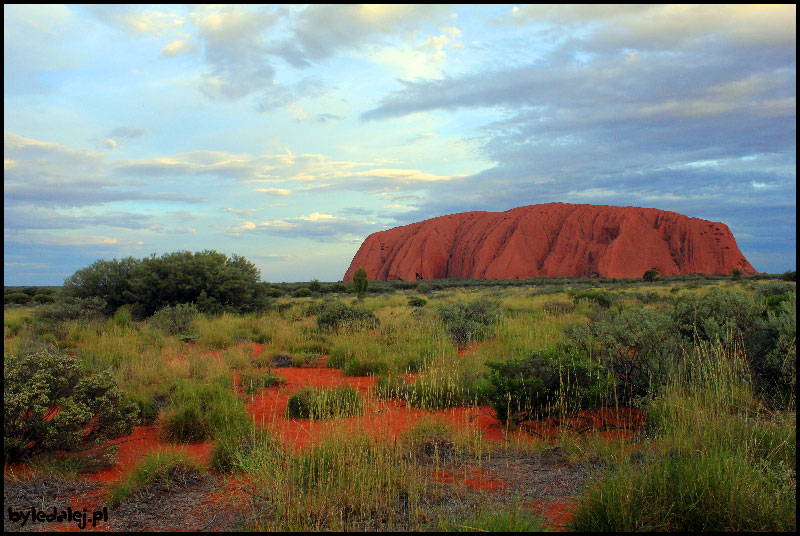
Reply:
x=288 y=134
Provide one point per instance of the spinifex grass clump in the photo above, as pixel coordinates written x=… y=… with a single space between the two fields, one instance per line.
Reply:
x=509 y=518
x=716 y=464
x=199 y=411
x=255 y=380
x=156 y=472
x=310 y=403
x=50 y=402
x=340 y=484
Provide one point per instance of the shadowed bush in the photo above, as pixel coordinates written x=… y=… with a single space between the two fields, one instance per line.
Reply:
x=51 y=403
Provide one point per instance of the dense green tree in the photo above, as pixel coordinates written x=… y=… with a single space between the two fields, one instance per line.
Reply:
x=360 y=283
x=211 y=280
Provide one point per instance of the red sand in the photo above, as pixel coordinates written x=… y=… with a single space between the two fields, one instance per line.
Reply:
x=550 y=240
x=143 y=441
x=471 y=477
x=381 y=418
x=558 y=514
x=390 y=419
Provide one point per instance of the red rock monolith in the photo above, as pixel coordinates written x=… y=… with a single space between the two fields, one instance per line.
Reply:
x=550 y=240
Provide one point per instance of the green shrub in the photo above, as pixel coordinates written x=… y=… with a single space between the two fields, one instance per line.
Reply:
x=417 y=301
x=175 y=319
x=771 y=345
x=44 y=298
x=638 y=346
x=559 y=379
x=337 y=316
x=360 y=282
x=469 y=322
x=51 y=403
x=16 y=298
x=603 y=299
x=80 y=309
x=558 y=308
x=715 y=314
x=310 y=403
x=650 y=275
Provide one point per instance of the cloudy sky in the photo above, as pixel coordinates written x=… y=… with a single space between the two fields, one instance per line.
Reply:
x=289 y=134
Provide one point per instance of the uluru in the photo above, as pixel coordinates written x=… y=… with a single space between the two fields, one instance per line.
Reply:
x=550 y=240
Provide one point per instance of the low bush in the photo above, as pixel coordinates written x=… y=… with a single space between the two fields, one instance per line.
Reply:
x=469 y=322
x=603 y=299
x=417 y=301
x=336 y=316
x=638 y=346
x=79 y=309
x=51 y=403
x=715 y=314
x=175 y=319
x=556 y=380
x=558 y=308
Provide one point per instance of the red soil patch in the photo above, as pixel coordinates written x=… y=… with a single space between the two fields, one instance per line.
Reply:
x=388 y=419
x=143 y=441
x=557 y=514
x=471 y=477
x=608 y=423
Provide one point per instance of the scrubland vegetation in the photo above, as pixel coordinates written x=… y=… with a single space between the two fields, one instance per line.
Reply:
x=708 y=362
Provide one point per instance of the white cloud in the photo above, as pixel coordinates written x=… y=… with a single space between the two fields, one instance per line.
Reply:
x=273 y=191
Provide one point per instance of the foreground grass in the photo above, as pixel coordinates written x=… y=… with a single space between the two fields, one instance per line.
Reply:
x=715 y=458
x=158 y=470
x=718 y=461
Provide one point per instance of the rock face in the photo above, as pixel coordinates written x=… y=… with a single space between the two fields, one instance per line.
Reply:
x=549 y=240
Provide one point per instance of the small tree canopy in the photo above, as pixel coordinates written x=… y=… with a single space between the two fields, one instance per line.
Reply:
x=211 y=280
x=360 y=283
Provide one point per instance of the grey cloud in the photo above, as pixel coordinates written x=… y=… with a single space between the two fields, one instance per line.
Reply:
x=320 y=31
x=325 y=118
x=50 y=174
x=33 y=217
x=320 y=230
x=279 y=96
x=126 y=133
